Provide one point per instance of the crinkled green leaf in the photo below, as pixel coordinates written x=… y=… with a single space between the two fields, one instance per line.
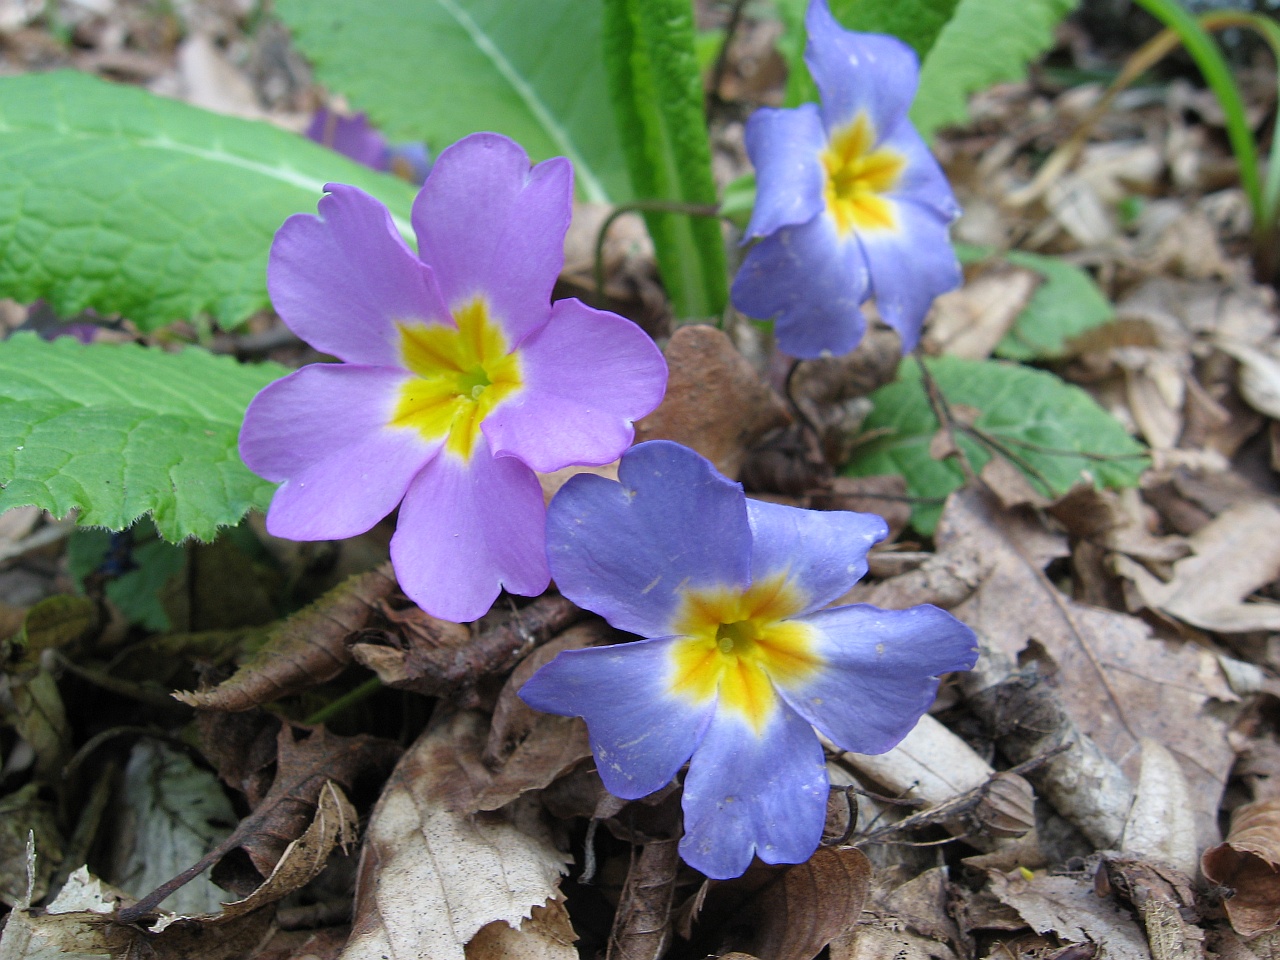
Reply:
x=118 y=431
x=1055 y=432
x=985 y=43
x=916 y=22
x=436 y=70
x=657 y=95
x=1066 y=305
x=172 y=813
x=119 y=200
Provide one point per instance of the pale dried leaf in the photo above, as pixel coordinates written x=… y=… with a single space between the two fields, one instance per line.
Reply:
x=1259 y=376
x=1068 y=908
x=430 y=878
x=931 y=763
x=1234 y=555
x=969 y=322
x=1161 y=825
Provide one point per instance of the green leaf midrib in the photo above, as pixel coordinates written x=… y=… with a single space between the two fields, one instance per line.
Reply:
x=586 y=177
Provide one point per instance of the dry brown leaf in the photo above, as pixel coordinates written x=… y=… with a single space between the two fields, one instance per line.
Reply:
x=302 y=651
x=716 y=403
x=430 y=878
x=1068 y=908
x=529 y=749
x=305 y=766
x=1249 y=863
x=886 y=937
x=546 y=935
x=1166 y=903
x=1236 y=554
x=1161 y=826
x=642 y=925
x=808 y=906
x=445 y=659
x=969 y=322
x=1118 y=682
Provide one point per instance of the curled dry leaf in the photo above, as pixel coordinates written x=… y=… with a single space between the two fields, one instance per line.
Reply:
x=1249 y=863
x=302 y=651
x=430 y=878
x=716 y=403
x=1234 y=555
x=808 y=906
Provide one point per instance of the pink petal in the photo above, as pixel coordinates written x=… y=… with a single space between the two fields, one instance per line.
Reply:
x=322 y=432
x=488 y=225
x=468 y=529
x=587 y=375
x=341 y=279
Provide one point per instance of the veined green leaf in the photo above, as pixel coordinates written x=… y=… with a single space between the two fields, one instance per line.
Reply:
x=119 y=200
x=985 y=43
x=657 y=95
x=1054 y=432
x=118 y=431
x=437 y=70
x=1066 y=305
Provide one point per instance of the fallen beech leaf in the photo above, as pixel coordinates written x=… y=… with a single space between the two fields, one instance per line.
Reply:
x=642 y=924
x=430 y=878
x=808 y=906
x=1233 y=555
x=1117 y=681
x=716 y=403
x=546 y=935
x=1249 y=863
x=1069 y=908
x=302 y=651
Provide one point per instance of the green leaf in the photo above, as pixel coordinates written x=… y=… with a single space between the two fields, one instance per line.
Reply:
x=985 y=43
x=657 y=96
x=436 y=70
x=118 y=431
x=916 y=22
x=129 y=203
x=1066 y=305
x=1056 y=434
x=153 y=575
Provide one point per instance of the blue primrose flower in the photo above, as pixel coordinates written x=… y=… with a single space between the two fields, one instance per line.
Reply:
x=849 y=200
x=743 y=660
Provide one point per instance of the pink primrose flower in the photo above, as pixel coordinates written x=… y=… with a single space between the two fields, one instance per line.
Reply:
x=459 y=378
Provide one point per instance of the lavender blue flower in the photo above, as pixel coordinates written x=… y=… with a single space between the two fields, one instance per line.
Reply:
x=742 y=657
x=849 y=200
x=353 y=137
x=459 y=378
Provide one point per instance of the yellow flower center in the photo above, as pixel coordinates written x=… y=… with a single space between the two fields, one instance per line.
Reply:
x=858 y=175
x=737 y=643
x=462 y=374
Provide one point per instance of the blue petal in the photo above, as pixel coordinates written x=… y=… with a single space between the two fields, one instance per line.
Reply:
x=640 y=735
x=881 y=671
x=858 y=72
x=626 y=549
x=909 y=267
x=922 y=180
x=810 y=282
x=785 y=148
x=823 y=553
x=747 y=794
